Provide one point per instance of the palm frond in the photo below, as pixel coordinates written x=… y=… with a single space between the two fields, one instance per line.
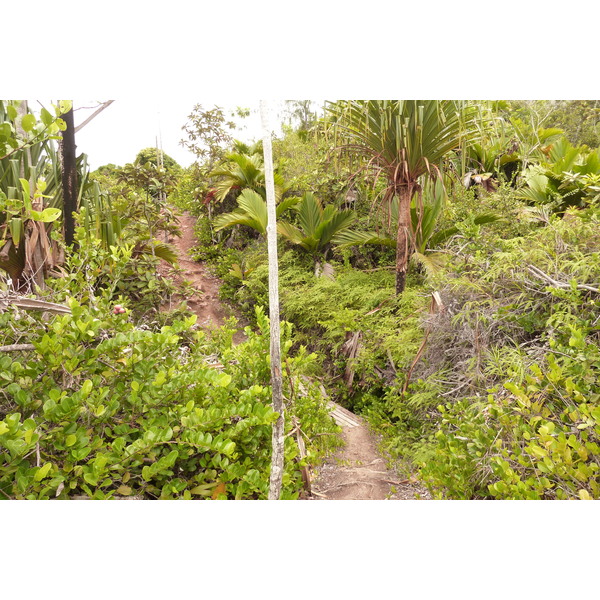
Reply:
x=432 y=262
x=309 y=213
x=347 y=238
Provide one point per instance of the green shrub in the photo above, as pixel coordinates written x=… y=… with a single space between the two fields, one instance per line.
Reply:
x=537 y=440
x=524 y=422
x=101 y=408
x=117 y=272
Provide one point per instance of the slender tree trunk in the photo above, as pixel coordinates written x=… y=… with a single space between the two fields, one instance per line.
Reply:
x=404 y=242
x=276 y=379
x=69 y=177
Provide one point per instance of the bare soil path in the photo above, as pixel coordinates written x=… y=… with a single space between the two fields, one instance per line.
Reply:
x=357 y=471
x=204 y=301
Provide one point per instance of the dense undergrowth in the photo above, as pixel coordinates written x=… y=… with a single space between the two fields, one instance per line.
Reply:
x=110 y=404
x=106 y=394
x=501 y=400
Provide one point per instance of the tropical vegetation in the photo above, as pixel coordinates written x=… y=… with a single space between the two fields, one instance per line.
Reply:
x=439 y=274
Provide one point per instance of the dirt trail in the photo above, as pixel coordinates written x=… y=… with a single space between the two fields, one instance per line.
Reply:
x=204 y=301
x=357 y=471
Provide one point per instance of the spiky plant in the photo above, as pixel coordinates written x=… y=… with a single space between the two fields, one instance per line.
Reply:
x=243 y=171
x=424 y=218
x=403 y=140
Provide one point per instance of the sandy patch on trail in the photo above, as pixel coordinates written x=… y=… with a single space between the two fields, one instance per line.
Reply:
x=358 y=471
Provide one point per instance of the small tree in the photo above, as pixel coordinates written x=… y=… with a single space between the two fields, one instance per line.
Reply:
x=404 y=140
x=208 y=134
x=157 y=158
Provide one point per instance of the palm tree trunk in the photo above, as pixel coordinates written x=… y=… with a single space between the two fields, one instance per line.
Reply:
x=404 y=242
x=69 y=177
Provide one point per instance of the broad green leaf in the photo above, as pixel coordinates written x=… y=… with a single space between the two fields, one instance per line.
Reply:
x=86 y=388
x=48 y=215
x=64 y=106
x=91 y=478
x=28 y=122
x=229 y=448
x=70 y=440
x=42 y=472
x=203 y=490
x=5 y=130
x=16 y=230
x=537 y=451
x=26 y=188
x=46 y=117
x=223 y=380
x=161 y=377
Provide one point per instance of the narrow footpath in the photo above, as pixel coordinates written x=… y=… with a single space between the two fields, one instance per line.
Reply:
x=357 y=471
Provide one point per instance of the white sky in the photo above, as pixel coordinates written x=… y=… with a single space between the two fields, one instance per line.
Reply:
x=128 y=125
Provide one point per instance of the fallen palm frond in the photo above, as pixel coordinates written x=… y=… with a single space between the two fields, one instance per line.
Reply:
x=31 y=304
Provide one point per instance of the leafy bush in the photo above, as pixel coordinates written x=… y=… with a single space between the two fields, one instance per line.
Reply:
x=328 y=313
x=118 y=272
x=519 y=341
x=537 y=440
x=102 y=409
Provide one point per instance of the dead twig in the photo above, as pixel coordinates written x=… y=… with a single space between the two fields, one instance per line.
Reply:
x=32 y=304
x=17 y=347
x=559 y=284
x=317 y=494
x=436 y=306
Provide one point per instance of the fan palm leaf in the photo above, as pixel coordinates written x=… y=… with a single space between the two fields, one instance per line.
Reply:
x=317 y=225
x=252 y=212
x=241 y=171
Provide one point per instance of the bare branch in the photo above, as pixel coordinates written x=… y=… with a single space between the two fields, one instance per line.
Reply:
x=94 y=114
x=559 y=284
x=17 y=347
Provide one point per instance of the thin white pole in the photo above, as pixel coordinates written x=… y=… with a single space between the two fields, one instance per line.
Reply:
x=276 y=379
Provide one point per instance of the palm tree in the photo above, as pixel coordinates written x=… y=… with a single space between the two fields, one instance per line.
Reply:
x=252 y=212
x=404 y=140
x=424 y=222
x=240 y=171
x=317 y=225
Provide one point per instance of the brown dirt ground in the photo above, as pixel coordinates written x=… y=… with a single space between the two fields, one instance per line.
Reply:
x=204 y=301
x=357 y=471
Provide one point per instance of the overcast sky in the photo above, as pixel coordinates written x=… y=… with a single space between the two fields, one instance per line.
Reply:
x=128 y=125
